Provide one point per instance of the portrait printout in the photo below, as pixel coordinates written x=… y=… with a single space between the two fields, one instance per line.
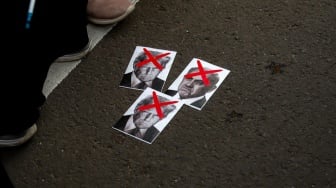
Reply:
x=146 y=118
x=148 y=67
x=197 y=83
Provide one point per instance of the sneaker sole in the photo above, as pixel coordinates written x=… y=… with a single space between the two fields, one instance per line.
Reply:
x=16 y=142
x=74 y=56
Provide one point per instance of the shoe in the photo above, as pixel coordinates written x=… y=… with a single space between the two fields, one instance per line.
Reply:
x=76 y=55
x=18 y=139
x=96 y=14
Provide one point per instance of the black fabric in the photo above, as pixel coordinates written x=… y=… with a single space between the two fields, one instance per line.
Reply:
x=141 y=85
x=58 y=27
x=157 y=83
x=198 y=103
x=149 y=136
x=5 y=182
x=171 y=92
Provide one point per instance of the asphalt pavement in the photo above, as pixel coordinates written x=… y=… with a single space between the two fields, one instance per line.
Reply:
x=270 y=124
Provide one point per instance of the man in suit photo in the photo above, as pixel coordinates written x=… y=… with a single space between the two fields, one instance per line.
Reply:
x=145 y=75
x=141 y=123
x=193 y=90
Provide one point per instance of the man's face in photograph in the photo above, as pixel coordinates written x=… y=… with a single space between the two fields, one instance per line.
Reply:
x=192 y=87
x=145 y=119
x=147 y=72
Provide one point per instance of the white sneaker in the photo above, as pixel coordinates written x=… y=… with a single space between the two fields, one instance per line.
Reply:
x=103 y=6
x=75 y=56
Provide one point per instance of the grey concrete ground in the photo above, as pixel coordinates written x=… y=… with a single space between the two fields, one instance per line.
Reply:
x=270 y=124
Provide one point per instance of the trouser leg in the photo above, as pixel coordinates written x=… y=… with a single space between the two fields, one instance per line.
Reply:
x=4 y=179
x=58 y=27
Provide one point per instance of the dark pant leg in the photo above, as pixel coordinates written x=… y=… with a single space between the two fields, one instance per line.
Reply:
x=58 y=27
x=4 y=179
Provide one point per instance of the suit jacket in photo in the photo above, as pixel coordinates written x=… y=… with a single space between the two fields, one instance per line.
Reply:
x=157 y=83
x=197 y=103
x=150 y=134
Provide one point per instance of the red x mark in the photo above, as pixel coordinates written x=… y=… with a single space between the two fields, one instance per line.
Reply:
x=157 y=105
x=202 y=73
x=152 y=59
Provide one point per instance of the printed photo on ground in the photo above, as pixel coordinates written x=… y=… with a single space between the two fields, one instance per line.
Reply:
x=146 y=118
x=148 y=67
x=197 y=83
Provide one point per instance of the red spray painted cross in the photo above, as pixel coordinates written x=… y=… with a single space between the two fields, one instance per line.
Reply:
x=202 y=72
x=157 y=105
x=152 y=59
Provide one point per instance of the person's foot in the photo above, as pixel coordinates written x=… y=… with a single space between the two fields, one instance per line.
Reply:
x=17 y=139
x=104 y=12
x=77 y=55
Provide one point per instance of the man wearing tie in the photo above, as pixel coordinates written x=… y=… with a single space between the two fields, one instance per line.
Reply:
x=193 y=90
x=141 y=123
x=145 y=75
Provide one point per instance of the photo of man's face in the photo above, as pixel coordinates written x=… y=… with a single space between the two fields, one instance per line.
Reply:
x=148 y=115
x=197 y=83
x=145 y=119
x=192 y=87
x=147 y=72
x=148 y=67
